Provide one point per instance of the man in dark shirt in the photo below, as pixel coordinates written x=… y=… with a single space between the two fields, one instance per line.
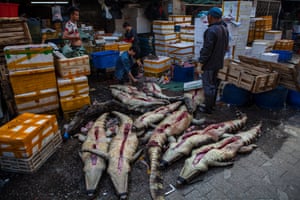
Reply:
x=130 y=34
x=215 y=45
x=125 y=68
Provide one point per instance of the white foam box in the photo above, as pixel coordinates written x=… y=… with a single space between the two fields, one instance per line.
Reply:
x=27 y=134
x=70 y=67
x=72 y=86
x=273 y=35
x=180 y=18
x=259 y=47
x=272 y=57
x=161 y=53
x=161 y=62
x=168 y=36
x=187 y=36
x=38 y=101
x=187 y=29
x=27 y=57
x=161 y=47
x=181 y=48
x=163 y=27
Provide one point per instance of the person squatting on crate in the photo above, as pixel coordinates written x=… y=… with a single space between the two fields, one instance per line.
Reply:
x=71 y=33
x=126 y=70
x=216 y=39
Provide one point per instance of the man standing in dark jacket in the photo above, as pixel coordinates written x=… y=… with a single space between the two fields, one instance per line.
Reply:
x=215 y=45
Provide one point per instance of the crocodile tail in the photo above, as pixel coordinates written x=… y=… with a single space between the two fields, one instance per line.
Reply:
x=155 y=181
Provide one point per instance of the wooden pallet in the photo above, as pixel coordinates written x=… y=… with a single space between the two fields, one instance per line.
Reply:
x=289 y=73
x=248 y=77
x=13 y=31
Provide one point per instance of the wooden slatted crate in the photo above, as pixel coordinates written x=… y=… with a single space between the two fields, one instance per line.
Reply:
x=289 y=74
x=248 y=77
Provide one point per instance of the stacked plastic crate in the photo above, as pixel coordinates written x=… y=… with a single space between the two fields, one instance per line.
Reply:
x=27 y=141
x=164 y=34
x=156 y=67
x=187 y=33
x=32 y=76
x=262 y=25
x=181 y=52
x=72 y=82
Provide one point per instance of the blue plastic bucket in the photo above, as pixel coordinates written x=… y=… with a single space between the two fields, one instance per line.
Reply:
x=293 y=99
x=234 y=95
x=274 y=99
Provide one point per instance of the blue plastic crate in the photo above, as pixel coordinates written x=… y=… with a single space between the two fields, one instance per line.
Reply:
x=105 y=59
x=183 y=74
x=284 y=55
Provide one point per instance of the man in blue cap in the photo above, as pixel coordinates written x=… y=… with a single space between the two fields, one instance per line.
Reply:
x=215 y=45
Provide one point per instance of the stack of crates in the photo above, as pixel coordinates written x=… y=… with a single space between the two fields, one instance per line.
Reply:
x=181 y=52
x=164 y=34
x=156 y=67
x=72 y=82
x=27 y=141
x=262 y=25
x=187 y=33
x=181 y=20
x=32 y=76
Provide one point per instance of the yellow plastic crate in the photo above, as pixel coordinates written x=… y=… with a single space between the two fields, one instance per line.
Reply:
x=156 y=70
x=113 y=46
x=32 y=164
x=74 y=103
x=32 y=80
x=26 y=134
x=284 y=45
x=124 y=46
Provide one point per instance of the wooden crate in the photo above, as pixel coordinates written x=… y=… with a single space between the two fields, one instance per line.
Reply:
x=26 y=134
x=14 y=31
x=288 y=72
x=71 y=67
x=32 y=164
x=248 y=77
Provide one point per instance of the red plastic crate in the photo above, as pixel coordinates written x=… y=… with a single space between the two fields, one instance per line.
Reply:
x=9 y=9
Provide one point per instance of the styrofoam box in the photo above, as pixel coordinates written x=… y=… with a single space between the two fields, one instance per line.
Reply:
x=72 y=86
x=273 y=35
x=187 y=29
x=259 y=47
x=187 y=36
x=163 y=42
x=272 y=57
x=181 y=48
x=163 y=31
x=180 y=18
x=37 y=102
x=169 y=36
x=161 y=53
x=27 y=57
x=161 y=47
x=159 y=63
x=26 y=134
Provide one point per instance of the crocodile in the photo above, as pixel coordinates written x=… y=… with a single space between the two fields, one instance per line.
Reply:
x=217 y=154
x=172 y=125
x=193 y=139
